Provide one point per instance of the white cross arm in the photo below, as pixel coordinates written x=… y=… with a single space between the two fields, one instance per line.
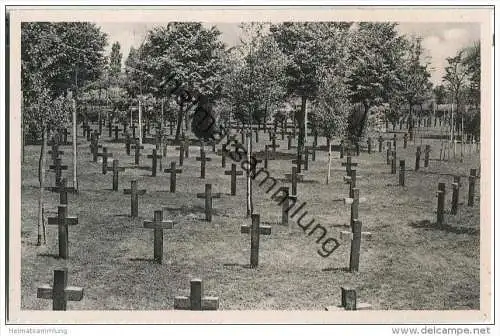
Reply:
x=349 y=200
x=166 y=224
x=73 y=293
x=346 y=235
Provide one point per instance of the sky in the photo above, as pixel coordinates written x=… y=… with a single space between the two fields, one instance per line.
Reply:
x=441 y=40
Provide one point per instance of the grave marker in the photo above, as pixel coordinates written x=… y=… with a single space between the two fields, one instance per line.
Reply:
x=63 y=221
x=105 y=156
x=137 y=151
x=426 y=156
x=203 y=161
x=402 y=173
x=255 y=231
x=348 y=165
x=196 y=300
x=405 y=140
x=369 y=145
x=134 y=197
x=115 y=169
x=355 y=237
x=154 y=157
x=173 y=175
x=233 y=174
x=417 y=159
x=393 y=162
x=208 y=196
x=57 y=167
x=349 y=301
x=441 y=193
x=472 y=185
x=354 y=203
x=60 y=292
x=158 y=224
x=380 y=141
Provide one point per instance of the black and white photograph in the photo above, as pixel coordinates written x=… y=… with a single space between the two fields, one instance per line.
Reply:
x=251 y=163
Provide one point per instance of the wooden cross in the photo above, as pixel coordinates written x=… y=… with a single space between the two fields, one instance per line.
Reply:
x=233 y=174
x=286 y=204
x=255 y=231
x=203 y=161
x=441 y=194
x=341 y=149
x=380 y=141
x=173 y=175
x=274 y=145
x=134 y=198
x=208 y=196
x=369 y=143
x=116 y=129
x=196 y=300
x=94 y=148
x=354 y=203
x=299 y=162
x=63 y=191
x=427 y=151
x=55 y=152
x=154 y=157
x=137 y=147
x=158 y=224
x=417 y=159
x=348 y=165
x=63 y=221
x=455 y=195
x=393 y=162
x=405 y=140
x=266 y=156
x=402 y=169
x=57 y=167
x=60 y=292
x=133 y=127
x=351 y=180
x=181 y=154
x=349 y=301
x=394 y=141
x=289 y=145
x=105 y=156
x=355 y=237
x=115 y=169
x=472 y=186
x=128 y=143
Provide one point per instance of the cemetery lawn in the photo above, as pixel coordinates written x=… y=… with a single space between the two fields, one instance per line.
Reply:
x=409 y=263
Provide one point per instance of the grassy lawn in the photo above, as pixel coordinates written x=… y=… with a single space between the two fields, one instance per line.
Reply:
x=408 y=264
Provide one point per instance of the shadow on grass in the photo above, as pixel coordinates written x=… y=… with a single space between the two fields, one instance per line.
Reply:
x=241 y=265
x=428 y=225
x=50 y=255
x=149 y=260
x=335 y=269
x=285 y=180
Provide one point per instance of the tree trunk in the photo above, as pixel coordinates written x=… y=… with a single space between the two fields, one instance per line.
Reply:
x=179 y=122
x=300 y=116
x=249 y=175
x=75 y=179
x=41 y=180
x=140 y=122
x=329 y=160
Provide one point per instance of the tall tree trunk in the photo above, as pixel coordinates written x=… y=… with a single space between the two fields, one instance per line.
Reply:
x=179 y=121
x=41 y=180
x=249 y=174
x=140 y=122
x=300 y=116
x=329 y=160
x=75 y=179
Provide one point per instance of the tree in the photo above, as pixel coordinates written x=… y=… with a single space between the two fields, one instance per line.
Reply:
x=115 y=60
x=332 y=108
x=455 y=77
x=376 y=49
x=56 y=58
x=414 y=83
x=183 y=58
x=308 y=48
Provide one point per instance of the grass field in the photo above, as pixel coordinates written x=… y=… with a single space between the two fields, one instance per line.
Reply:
x=409 y=263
